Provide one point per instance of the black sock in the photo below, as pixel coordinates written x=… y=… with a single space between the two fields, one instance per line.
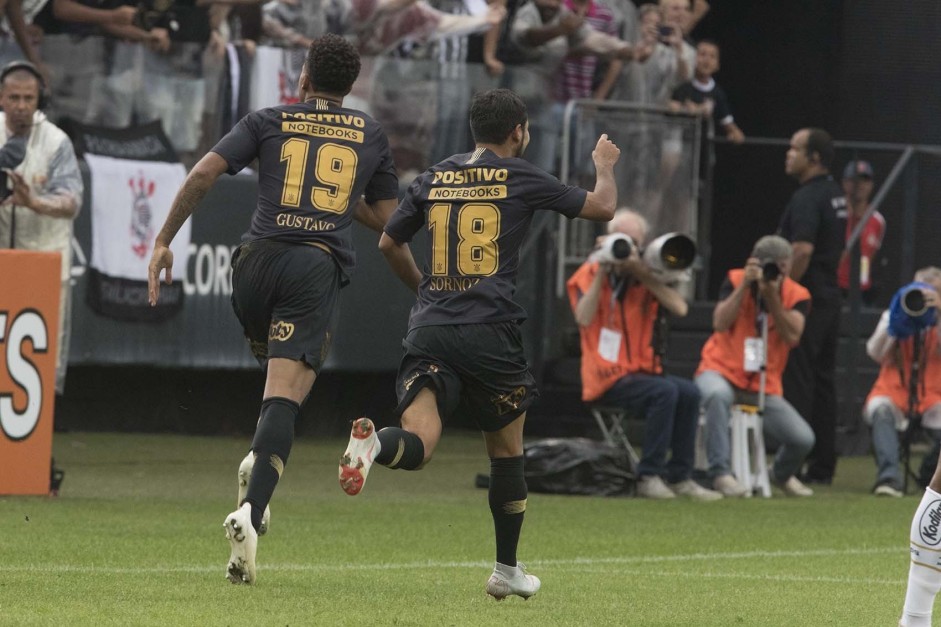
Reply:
x=507 y=505
x=400 y=449
x=272 y=445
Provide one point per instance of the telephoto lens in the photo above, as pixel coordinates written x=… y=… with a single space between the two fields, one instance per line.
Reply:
x=770 y=271
x=621 y=248
x=914 y=302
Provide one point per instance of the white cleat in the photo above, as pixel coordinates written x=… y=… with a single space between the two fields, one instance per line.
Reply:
x=245 y=472
x=507 y=580
x=357 y=460
x=244 y=542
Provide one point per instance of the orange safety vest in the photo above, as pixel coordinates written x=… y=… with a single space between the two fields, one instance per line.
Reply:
x=893 y=376
x=633 y=316
x=724 y=351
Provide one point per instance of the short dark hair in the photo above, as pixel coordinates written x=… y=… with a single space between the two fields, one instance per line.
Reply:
x=494 y=114
x=710 y=42
x=820 y=142
x=332 y=64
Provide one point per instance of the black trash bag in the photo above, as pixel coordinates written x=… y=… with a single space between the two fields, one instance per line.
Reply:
x=578 y=466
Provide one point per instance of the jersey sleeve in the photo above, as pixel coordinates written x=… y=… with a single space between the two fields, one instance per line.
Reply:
x=544 y=191
x=240 y=145
x=384 y=183
x=408 y=217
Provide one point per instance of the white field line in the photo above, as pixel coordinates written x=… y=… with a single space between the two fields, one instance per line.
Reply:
x=749 y=576
x=587 y=562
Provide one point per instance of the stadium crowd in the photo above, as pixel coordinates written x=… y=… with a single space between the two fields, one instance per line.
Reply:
x=177 y=62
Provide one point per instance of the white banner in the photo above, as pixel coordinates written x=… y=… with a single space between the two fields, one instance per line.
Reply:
x=275 y=72
x=130 y=201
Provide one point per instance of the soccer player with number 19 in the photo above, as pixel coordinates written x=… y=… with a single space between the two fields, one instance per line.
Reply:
x=464 y=344
x=316 y=160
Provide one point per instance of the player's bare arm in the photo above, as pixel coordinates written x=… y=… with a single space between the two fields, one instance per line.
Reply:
x=601 y=203
x=399 y=256
x=802 y=253
x=375 y=215
x=191 y=193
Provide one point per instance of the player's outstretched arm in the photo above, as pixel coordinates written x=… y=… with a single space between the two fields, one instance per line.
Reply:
x=191 y=193
x=399 y=257
x=375 y=215
x=601 y=203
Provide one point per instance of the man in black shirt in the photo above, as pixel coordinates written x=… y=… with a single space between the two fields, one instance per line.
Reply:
x=464 y=345
x=316 y=159
x=810 y=224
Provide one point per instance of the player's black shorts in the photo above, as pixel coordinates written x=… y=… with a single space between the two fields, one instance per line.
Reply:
x=479 y=366
x=285 y=296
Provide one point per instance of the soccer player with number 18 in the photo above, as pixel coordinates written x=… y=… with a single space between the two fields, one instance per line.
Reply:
x=464 y=344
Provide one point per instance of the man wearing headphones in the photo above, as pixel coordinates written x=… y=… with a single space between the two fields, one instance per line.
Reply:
x=42 y=189
x=810 y=224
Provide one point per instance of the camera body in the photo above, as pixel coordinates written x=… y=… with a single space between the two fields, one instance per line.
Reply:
x=615 y=247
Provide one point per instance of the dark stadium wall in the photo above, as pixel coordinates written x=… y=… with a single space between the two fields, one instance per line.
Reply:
x=864 y=70
x=780 y=62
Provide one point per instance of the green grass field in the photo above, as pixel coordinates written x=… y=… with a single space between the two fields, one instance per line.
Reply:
x=136 y=538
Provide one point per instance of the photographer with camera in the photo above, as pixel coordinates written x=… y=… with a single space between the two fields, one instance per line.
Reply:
x=618 y=299
x=741 y=350
x=910 y=320
x=906 y=342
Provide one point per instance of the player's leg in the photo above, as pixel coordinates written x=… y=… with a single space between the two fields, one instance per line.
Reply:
x=405 y=448
x=284 y=296
x=507 y=497
x=924 y=573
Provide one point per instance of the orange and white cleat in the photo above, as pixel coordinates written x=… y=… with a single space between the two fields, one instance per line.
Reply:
x=359 y=455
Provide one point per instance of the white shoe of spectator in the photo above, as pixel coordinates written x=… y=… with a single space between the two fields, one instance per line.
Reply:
x=794 y=487
x=694 y=491
x=653 y=487
x=729 y=486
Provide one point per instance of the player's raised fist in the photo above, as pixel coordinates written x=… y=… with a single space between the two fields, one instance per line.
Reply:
x=605 y=153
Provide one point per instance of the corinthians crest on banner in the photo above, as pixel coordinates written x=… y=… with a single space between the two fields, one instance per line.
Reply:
x=130 y=201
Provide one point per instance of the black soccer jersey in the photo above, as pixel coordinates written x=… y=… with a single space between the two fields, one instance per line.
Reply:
x=477 y=208
x=315 y=161
x=699 y=93
x=810 y=216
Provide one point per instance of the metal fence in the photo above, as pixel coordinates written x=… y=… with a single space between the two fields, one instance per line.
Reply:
x=658 y=173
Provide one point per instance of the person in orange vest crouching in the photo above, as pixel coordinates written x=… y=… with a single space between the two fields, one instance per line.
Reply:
x=732 y=359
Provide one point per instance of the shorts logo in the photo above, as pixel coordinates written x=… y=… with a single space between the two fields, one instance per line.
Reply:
x=505 y=403
x=429 y=368
x=280 y=331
